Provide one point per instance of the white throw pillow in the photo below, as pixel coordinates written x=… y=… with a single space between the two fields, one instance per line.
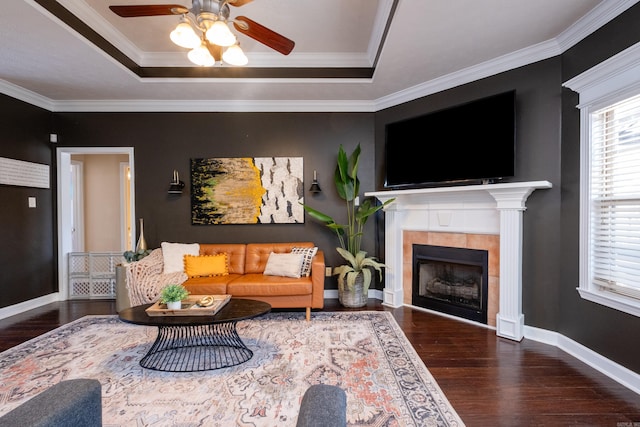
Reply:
x=286 y=264
x=308 y=254
x=173 y=255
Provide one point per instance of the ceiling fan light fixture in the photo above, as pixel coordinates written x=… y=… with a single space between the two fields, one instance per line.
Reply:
x=233 y=55
x=204 y=28
x=220 y=34
x=184 y=36
x=201 y=56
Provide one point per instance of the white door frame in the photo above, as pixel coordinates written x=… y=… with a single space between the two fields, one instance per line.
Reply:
x=77 y=168
x=63 y=155
x=126 y=238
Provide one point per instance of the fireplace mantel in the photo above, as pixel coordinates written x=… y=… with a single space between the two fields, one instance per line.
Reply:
x=484 y=209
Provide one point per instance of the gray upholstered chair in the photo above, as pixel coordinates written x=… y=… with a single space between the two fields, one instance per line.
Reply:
x=323 y=405
x=70 y=403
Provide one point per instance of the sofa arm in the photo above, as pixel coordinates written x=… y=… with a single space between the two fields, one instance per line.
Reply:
x=317 y=280
x=69 y=403
x=323 y=405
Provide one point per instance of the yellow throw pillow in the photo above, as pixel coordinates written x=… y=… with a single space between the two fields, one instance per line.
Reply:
x=206 y=265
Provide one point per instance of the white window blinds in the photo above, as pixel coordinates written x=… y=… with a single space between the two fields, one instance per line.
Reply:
x=615 y=198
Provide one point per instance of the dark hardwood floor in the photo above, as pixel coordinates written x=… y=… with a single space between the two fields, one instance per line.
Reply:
x=490 y=381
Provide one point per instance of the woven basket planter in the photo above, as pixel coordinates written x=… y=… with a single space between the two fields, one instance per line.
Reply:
x=355 y=297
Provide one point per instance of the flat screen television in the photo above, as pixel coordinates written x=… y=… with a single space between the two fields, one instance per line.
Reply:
x=470 y=142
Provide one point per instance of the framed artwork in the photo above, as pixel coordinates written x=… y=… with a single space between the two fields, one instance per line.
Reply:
x=247 y=190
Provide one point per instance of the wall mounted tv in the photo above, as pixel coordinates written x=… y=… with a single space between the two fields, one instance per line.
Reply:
x=470 y=142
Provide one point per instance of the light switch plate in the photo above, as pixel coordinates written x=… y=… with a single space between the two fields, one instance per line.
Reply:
x=32 y=202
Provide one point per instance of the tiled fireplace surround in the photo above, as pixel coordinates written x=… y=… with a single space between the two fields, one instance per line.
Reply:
x=487 y=217
x=488 y=242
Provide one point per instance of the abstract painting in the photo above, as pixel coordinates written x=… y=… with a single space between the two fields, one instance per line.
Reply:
x=247 y=190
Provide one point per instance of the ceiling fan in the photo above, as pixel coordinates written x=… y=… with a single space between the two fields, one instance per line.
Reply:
x=203 y=29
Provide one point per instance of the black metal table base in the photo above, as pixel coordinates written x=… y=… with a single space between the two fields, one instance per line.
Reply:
x=196 y=348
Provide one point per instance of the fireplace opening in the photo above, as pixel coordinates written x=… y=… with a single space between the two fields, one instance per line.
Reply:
x=451 y=280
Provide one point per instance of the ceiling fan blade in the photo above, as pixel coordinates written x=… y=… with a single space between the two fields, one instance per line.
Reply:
x=214 y=50
x=238 y=3
x=148 y=10
x=264 y=35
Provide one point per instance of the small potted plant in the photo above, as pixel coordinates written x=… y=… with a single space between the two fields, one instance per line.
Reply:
x=172 y=295
x=133 y=256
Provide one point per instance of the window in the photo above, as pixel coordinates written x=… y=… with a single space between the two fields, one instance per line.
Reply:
x=610 y=181
x=615 y=198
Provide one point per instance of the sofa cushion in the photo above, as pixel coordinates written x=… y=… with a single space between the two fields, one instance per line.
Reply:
x=307 y=257
x=259 y=285
x=206 y=265
x=287 y=264
x=173 y=255
x=211 y=285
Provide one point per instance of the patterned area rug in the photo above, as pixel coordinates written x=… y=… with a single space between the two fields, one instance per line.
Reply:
x=365 y=353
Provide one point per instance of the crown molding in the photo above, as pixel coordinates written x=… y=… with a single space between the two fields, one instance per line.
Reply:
x=268 y=59
x=25 y=95
x=229 y=105
x=598 y=17
x=489 y=68
x=613 y=79
x=101 y=26
x=380 y=27
x=507 y=62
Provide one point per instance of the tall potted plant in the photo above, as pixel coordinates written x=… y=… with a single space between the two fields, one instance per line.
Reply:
x=354 y=278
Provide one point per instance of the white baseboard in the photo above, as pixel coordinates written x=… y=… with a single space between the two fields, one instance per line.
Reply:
x=330 y=294
x=616 y=372
x=12 y=310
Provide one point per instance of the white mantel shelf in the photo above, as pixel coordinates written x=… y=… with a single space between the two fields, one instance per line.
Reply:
x=488 y=209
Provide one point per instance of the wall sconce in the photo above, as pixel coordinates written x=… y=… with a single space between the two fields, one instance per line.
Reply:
x=315 y=187
x=176 y=186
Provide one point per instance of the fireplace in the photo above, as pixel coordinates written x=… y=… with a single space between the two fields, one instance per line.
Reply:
x=467 y=211
x=451 y=280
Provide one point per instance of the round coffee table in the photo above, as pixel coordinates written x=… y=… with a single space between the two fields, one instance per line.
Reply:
x=197 y=343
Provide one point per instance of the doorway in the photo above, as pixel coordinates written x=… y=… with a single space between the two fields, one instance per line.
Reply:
x=67 y=219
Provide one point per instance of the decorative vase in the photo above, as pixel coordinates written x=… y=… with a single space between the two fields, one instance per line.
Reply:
x=142 y=243
x=174 y=305
x=355 y=297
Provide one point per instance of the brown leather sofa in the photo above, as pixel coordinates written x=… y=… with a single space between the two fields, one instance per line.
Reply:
x=247 y=263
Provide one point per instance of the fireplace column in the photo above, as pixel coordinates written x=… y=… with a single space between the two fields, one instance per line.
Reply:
x=393 y=291
x=511 y=205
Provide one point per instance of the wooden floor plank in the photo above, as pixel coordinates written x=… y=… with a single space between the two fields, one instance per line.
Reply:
x=490 y=381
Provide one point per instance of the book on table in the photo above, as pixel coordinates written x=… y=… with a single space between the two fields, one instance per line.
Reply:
x=190 y=306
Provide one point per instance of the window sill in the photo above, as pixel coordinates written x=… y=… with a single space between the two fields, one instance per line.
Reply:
x=611 y=300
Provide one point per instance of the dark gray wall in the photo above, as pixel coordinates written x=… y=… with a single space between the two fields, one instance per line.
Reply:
x=27 y=264
x=538 y=100
x=166 y=141
x=606 y=331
